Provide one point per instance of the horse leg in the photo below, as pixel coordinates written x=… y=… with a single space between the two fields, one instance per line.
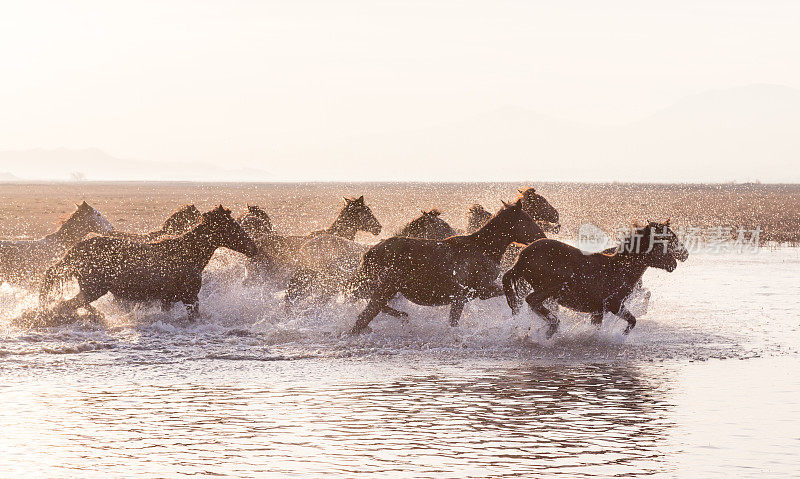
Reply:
x=456 y=308
x=394 y=312
x=192 y=308
x=299 y=286
x=189 y=296
x=166 y=305
x=597 y=318
x=618 y=308
x=377 y=303
x=71 y=305
x=535 y=301
x=625 y=314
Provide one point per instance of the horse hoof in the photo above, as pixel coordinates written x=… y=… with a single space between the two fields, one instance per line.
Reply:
x=627 y=330
x=551 y=331
x=356 y=330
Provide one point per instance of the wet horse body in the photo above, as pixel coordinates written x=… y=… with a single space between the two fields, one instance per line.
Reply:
x=592 y=283
x=437 y=273
x=328 y=259
x=169 y=270
x=24 y=261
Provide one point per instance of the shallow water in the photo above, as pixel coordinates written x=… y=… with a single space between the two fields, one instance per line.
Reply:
x=707 y=385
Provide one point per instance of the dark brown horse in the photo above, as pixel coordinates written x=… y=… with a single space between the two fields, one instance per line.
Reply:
x=327 y=261
x=304 y=255
x=438 y=273
x=178 y=223
x=169 y=270
x=429 y=225
x=592 y=283
x=477 y=217
x=256 y=222
x=539 y=209
x=533 y=203
x=355 y=216
x=24 y=261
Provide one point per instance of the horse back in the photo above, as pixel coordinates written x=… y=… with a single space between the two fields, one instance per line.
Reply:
x=550 y=260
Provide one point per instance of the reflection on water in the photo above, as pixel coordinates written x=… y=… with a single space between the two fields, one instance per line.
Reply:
x=707 y=385
x=448 y=421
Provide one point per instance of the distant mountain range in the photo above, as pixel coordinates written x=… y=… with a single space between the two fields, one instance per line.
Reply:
x=92 y=164
x=744 y=133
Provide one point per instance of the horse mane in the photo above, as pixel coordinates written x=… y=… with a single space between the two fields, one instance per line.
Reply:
x=626 y=245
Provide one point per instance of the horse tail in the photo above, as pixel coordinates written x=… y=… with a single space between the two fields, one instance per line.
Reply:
x=511 y=287
x=55 y=278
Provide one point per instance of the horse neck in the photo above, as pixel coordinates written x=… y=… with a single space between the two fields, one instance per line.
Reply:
x=630 y=267
x=197 y=244
x=69 y=232
x=342 y=227
x=491 y=240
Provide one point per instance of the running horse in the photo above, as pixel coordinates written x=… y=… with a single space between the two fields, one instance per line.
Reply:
x=289 y=253
x=477 y=217
x=176 y=224
x=428 y=226
x=169 y=270
x=327 y=260
x=438 y=273
x=23 y=261
x=591 y=283
x=533 y=203
x=256 y=222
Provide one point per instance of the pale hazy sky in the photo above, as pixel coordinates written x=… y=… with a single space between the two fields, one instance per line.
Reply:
x=270 y=84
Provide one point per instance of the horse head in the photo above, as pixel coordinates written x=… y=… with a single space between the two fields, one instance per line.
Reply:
x=181 y=220
x=256 y=222
x=85 y=220
x=657 y=245
x=539 y=209
x=358 y=215
x=516 y=224
x=478 y=216
x=225 y=232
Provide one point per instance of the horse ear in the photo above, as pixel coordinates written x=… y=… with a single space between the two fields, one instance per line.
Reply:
x=506 y=205
x=666 y=223
x=347 y=200
x=360 y=199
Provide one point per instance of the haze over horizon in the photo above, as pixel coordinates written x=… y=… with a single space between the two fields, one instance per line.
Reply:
x=623 y=91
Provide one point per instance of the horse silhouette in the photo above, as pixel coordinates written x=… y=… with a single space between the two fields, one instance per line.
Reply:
x=592 y=283
x=477 y=217
x=327 y=261
x=437 y=273
x=256 y=222
x=24 y=261
x=429 y=225
x=533 y=203
x=169 y=269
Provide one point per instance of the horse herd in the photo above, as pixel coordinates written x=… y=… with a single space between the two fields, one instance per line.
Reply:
x=427 y=262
